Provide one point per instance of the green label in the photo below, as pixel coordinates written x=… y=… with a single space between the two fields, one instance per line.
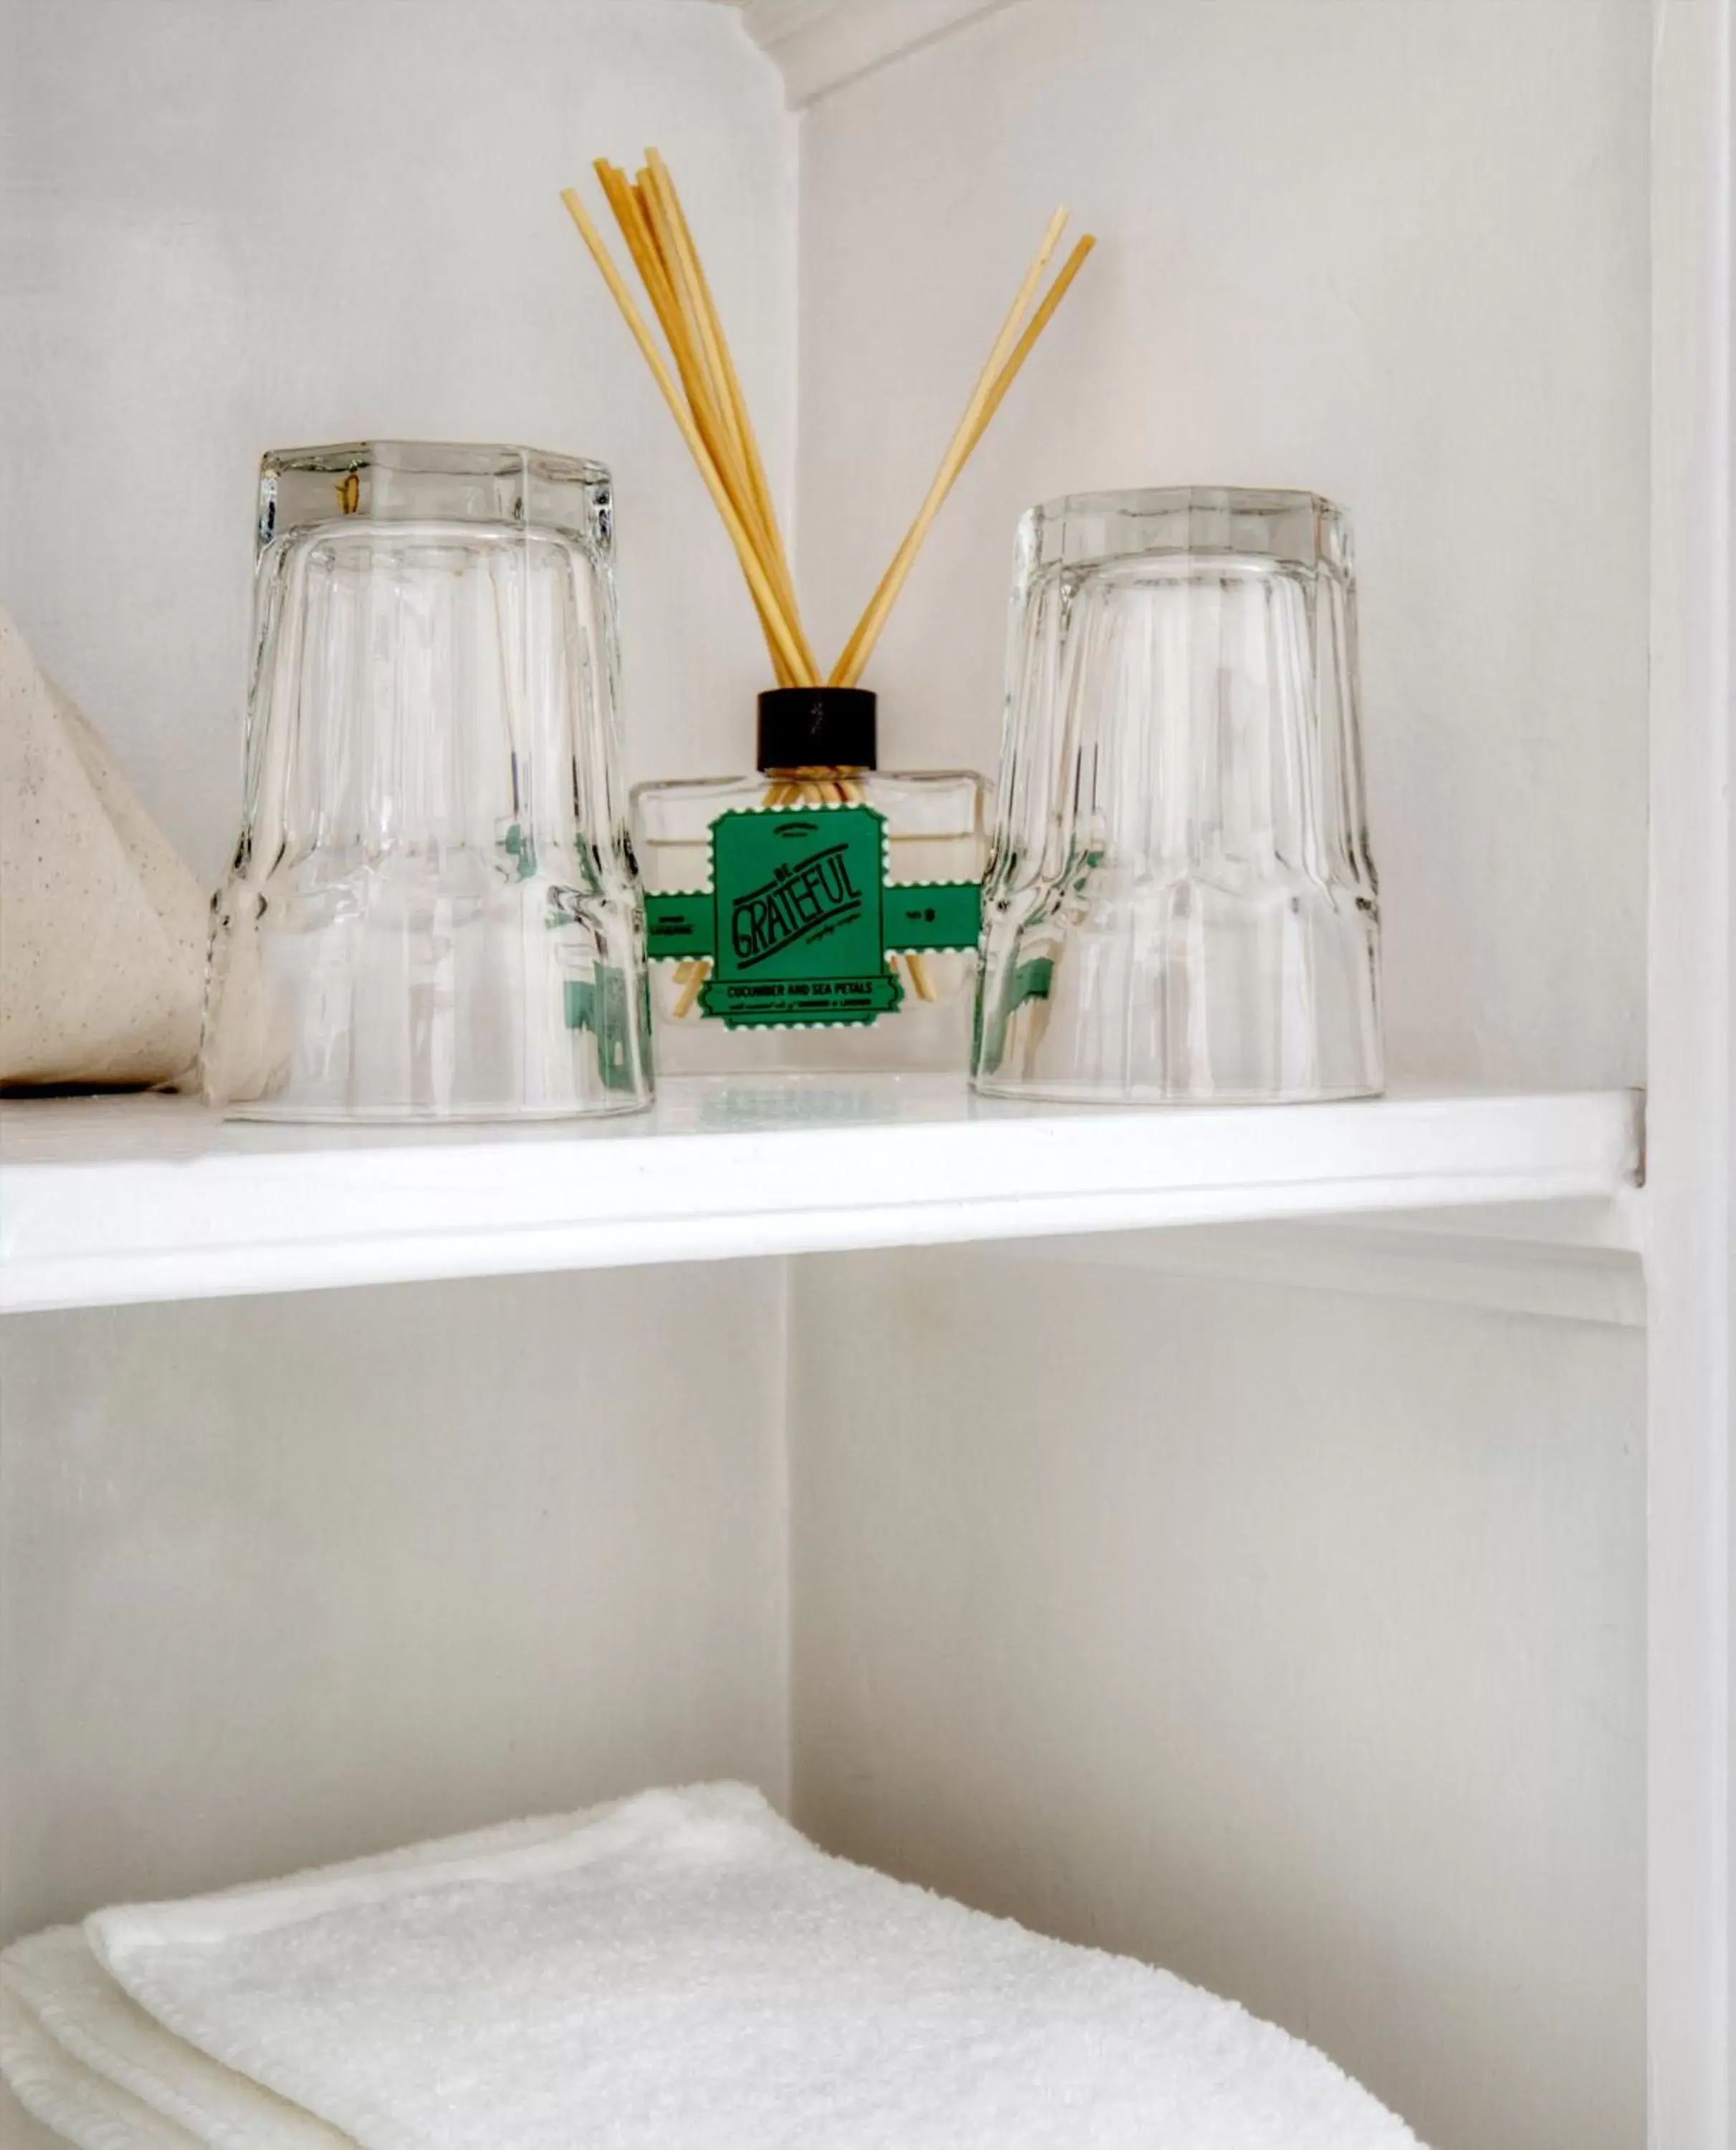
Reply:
x=800 y=923
x=797 y=899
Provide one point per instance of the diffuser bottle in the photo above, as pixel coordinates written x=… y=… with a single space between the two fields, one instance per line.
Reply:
x=821 y=913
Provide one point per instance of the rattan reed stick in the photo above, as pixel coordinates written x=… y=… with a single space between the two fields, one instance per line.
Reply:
x=735 y=401
x=776 y=627
x=703 y=332
x=848 y=669
x=633 y=217
x=1039 y=322
x=714 y=418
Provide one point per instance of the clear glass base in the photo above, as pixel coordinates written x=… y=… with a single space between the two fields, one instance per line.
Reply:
x=291 y=1113
x=1083 y=1093
x=1141 y=992
x=390 y=990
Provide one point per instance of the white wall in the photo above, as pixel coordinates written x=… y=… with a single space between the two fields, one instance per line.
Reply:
x=284 y=1580
x=287 y=1579
x=1291 y=1639
x=226 y=227
x=1395 y=250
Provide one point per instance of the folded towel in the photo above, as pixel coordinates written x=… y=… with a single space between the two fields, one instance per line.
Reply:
x=84 y=2055
x=89 y=2063
x=680 y=1969
x=77 y=2102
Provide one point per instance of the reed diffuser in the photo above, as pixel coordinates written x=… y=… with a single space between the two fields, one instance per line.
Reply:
x=821 y=913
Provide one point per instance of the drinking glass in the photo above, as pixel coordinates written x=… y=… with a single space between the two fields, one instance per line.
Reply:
x=433 y=913
x=1180 y=903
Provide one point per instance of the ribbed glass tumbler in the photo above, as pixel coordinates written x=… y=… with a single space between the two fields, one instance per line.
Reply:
x=1180 y=904
x=433 y=913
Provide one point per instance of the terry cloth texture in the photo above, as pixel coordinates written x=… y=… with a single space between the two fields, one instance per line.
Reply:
x=677 y=1970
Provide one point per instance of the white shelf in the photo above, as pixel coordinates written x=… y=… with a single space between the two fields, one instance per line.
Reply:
x=104 y=1201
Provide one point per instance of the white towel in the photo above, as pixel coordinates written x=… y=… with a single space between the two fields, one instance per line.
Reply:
x=89 y=2063
x=682 y=1969
x=83 y=2056
x=85 y=2107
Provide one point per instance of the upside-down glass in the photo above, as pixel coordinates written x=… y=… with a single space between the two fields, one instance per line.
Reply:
x=1180 y=903
x=431 y=913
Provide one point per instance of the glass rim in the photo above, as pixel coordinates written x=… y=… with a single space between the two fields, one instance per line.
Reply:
x=436 y=459
x=1137 y=501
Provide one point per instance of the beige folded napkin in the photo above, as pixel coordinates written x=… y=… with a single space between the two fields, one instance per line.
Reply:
x=102 y=927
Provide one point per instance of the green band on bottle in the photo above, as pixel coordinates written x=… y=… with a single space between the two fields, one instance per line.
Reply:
x=939 y=914
x=677 y=925
x=800 y=924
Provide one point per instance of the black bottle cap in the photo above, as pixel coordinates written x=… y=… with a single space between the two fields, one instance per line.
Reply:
x=817 y=728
